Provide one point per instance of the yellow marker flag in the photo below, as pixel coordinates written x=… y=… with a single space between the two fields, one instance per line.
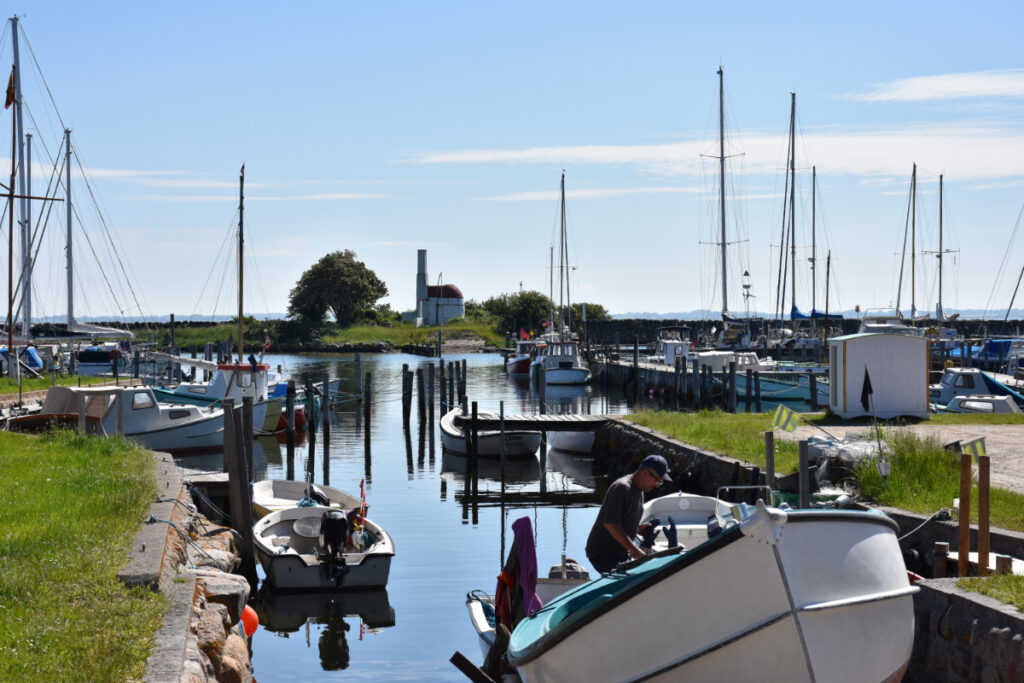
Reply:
x=975 y=447
x=785 y=419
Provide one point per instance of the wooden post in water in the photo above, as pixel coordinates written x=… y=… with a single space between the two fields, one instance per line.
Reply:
x=501 y=429
x=757 y=391
x=430 y=394
x=805 y=476
x=366 y=410
x=442 y=386
x=310 y=427
x=983 y=516
x=747 y=390
x=406 y=395
x=812 y=383
x=462 y=376
x=769 y=459
x=732 y=386
x=421 y=398
x=474 y=431
x=691 y=385
x=239 y=493
x=964 y=545
x=451 y=385
x=246 y=436
x=289 y=422
x=359 y=374
x=326 y=412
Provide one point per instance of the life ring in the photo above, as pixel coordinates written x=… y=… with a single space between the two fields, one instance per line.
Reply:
x=948 y=364
x=932 y=333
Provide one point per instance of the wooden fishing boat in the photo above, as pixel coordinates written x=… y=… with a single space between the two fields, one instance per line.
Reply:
x=831 y=602
x=271 y=495
x=317 y=548
x=518 y=443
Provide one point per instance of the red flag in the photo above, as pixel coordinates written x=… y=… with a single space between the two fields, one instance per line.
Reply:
x=522 y=333
x=266 y=343
x=10 y=91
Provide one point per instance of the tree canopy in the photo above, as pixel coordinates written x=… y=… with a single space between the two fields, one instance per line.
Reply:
x=526 y=310
x=338 y=284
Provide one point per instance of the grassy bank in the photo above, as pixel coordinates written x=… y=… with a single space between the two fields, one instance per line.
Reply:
x=70 y=506
x=924 y=477
x=10 y=386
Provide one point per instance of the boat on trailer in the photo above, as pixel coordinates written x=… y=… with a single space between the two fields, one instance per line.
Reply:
x=831 y=602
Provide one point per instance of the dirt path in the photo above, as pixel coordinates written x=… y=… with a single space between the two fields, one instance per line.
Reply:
x=1003 y=443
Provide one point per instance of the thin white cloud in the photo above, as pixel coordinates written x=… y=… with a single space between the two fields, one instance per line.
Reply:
x=326 y=196
x=192 y=182
x=1005 y=83
x=394 y=244
x=547 y=196
x=967 y=151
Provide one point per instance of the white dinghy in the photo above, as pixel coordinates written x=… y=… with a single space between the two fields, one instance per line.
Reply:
x=780 y=595
x=318 y=548
x=271 y=495
x=518 y=443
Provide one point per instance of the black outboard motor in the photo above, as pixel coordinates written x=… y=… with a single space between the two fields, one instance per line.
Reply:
x=334 y=530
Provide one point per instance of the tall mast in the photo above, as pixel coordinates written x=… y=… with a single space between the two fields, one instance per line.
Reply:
x=913 y=242
x=551 y=285
x=67 y=210
x=814 y=244
x=565 y=251
x=792 y=198
x=23 y=222
x=721 y=189
x=241 y=242
x=26 y=250
x=561 y=261
x=941 y=315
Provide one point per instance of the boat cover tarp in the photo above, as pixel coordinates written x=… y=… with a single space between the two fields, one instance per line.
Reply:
x=820 y=315
x=28 y=356
x=795 y=314
x=991 y=348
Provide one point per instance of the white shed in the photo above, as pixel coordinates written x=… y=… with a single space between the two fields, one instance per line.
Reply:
x=897 y=365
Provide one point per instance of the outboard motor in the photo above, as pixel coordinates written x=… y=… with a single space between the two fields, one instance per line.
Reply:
x=334 y=529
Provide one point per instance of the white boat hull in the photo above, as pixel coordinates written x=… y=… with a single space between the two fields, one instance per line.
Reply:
x=572 y=442
x=567 y=376
x=290 y=561
x=271 y=495
x=200 y=435
x=518 y=444
x=812 y=596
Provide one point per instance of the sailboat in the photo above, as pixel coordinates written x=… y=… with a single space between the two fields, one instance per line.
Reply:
x=560 y=358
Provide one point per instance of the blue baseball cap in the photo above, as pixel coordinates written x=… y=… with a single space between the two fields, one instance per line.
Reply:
x=658 y=465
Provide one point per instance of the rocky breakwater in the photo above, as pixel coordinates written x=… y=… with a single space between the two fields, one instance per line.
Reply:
x=180 y=554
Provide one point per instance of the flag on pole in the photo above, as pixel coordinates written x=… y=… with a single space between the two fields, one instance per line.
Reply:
x=523 y=334
x=865 y=392
x=266 y=342
x=785 y=419
x=10 y=91
x=974 y=447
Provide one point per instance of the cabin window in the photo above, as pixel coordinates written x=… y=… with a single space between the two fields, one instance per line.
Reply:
x=245 y=380
x=948 y=379
x=142 y=401
x=177 y=414
x=197 y=390
x=978 y=406
x=965 y=381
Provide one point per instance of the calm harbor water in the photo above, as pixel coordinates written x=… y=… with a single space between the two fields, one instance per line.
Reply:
x=446 y=544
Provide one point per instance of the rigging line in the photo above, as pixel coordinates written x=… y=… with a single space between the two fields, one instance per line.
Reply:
x=779 y=287
x=39 y=70
x=216 y=260
x=1006 y=256
x=110 y=241
x=98 y=262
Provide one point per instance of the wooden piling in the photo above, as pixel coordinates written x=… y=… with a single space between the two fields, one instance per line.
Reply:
x=239 y=492
x=421 y=398
x=748 y=390
x=732 y=386
x=812 y=382
x=964 y=541
x=406 y=395
x=310 y=427
x=430 y=394
x=1004 y=564
x=366 y=409
x=983 y=514
x=805 y=476
x=289 y=421
x=940 y=558
x=442 y=386
x=757 y=392
x=326 y=412
x=462 y=376
x=359 y=374
x=769 y=459
x=246 y=436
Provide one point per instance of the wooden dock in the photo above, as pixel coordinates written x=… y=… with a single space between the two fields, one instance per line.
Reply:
x=537 y=423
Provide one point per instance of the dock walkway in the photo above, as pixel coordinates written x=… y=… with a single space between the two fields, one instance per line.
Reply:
x=545 y=423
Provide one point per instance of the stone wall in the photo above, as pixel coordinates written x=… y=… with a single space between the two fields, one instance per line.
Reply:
x=964 y=636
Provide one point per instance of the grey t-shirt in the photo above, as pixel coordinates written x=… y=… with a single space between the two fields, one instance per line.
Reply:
x=624 y=504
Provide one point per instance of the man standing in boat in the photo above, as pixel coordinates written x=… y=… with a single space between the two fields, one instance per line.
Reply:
x=618 y=521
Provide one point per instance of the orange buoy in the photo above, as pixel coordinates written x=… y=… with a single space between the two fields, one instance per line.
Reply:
x=250 y=620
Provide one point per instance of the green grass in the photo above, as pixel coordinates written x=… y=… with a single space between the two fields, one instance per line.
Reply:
x=401 y=334
x=69 y=507
x=1007 y=588
x=924 y=477
x=10 y=386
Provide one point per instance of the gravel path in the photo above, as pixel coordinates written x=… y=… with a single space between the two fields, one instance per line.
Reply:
x=1003 y=443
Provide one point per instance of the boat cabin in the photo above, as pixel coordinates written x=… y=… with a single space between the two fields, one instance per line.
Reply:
x=969 y=382
x=984 y=404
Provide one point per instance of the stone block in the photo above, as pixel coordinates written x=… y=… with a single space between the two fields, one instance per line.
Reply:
x=229 y=590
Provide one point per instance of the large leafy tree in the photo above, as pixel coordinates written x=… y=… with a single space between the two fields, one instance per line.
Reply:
x=336 y=284
x=527 y=310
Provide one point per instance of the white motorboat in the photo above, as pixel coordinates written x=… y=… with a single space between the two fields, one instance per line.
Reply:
x=572 y=442
x=781 y=595
x=562 y=363
x=518 y=443
x=158 y=426
x=983 y=404
x=227 y=380
x=271 y=495
x=969 y=382
x=317 y=548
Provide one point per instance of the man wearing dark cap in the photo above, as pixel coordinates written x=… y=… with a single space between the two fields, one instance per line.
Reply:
x=611 y=538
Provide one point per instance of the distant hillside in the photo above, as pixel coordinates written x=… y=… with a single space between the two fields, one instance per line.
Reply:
x=966 y=314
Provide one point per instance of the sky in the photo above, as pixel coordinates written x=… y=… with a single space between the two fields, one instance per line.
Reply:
x=385 y=128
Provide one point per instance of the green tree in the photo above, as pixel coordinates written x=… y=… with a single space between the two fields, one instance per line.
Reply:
x=594 y=312
x=338 y=284
x=527 y=310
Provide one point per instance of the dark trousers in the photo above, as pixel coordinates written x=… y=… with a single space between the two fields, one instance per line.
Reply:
x=605 y=562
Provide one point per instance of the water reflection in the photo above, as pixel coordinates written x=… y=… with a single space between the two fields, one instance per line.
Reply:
x=326 y=612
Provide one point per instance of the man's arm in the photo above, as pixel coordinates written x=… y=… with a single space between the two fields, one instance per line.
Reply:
x=620 y=537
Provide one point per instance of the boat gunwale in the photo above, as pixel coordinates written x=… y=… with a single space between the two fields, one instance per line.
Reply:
x=552 y=638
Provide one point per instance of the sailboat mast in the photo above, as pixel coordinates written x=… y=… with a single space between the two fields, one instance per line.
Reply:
x=10 y=259
x=26 y=249
x=241 y=242
x=941 y=315
x=814 y=245
x=67 y=210
x=913 y=242
x=551 y=284
x=561 y=261
x=721 y=189
x=792 y=198
x=568 y=271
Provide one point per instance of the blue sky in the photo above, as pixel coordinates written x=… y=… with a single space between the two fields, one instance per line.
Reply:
x=389 y=127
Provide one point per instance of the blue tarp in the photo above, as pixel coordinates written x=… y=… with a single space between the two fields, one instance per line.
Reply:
x=795 y=314
x=820 y=315
x=28 y=355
